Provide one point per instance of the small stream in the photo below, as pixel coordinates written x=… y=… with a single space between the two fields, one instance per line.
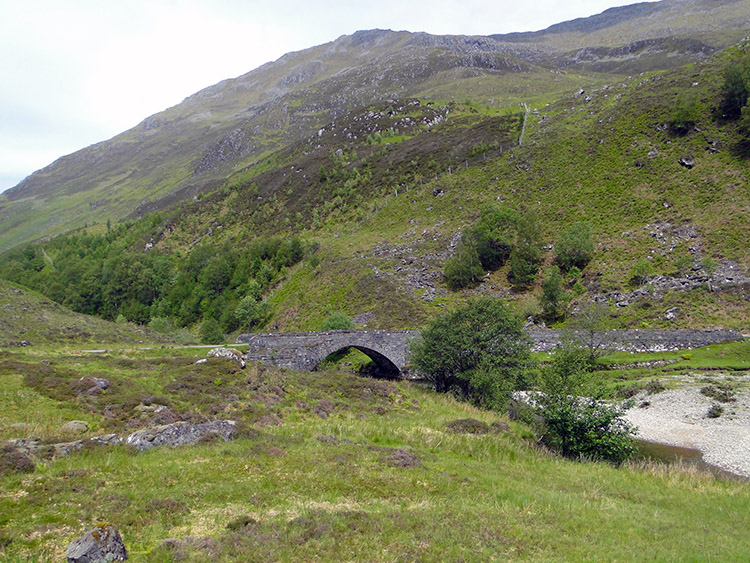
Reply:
x=665 y=453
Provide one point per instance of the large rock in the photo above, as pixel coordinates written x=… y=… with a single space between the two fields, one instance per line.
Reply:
x=229 y=353
x=99 y=545
x=180 y=433
x=75 y=427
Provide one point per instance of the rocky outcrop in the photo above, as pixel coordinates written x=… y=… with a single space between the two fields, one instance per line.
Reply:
x=181 y=433
x=99 y=545
x=229 y=353
x=35 y=448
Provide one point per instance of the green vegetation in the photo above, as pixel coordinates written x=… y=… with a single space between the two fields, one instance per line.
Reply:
x=578 y=423
x=337 y=321
x=554 y=298
x=527 y=253
x=464 y=268
x=575 y=247
x=479 y=351
x=105 y=275
x=380 y=470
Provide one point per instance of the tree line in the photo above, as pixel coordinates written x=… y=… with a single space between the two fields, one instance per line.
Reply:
x=116 y=276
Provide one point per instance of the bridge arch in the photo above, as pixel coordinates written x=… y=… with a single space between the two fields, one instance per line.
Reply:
x=384 y=366
x=305 y=350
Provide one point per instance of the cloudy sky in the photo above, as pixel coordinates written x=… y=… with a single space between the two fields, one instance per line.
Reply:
x=76 y=72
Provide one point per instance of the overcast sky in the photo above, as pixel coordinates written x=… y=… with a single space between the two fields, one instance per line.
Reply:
x=76 y=72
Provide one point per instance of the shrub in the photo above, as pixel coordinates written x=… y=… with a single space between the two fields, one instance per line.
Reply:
x=526 y=254
x=578 y=424
x=575 y=246
x=479 y=351
x=161 y=324
x=493 y=235
x=590 y=330
x=251 y=311
x=463 y=269
x=736 y=88
x=640 y=272
x=684 y=112
x=337 y=321
x=554 y=298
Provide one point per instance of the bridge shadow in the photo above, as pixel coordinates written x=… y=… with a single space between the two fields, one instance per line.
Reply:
x=370 y=362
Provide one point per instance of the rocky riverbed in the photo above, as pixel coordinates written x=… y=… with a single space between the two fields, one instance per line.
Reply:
x=680 y=417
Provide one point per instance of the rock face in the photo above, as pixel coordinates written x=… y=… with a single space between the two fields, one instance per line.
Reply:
x=180 y=433
x=99 y=545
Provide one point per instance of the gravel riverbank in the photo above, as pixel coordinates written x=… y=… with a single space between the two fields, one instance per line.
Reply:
x=679 y=417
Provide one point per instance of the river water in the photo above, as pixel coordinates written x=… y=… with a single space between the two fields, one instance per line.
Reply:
x=675 y=454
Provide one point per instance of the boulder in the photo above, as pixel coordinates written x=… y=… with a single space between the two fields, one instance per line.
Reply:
x=92 y=385
x=686 y=161
x=99 y=545
x=180 y=433
x=75 y=427
x=229 y=353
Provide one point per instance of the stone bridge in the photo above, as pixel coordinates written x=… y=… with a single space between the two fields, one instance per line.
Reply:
x=305 y=350
x=389 y=348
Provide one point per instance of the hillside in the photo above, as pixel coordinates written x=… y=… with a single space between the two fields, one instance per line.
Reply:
x=31 y=320
x=174 y=155
x=381 y=196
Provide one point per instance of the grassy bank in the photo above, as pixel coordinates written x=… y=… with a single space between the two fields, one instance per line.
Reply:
x=330 y=466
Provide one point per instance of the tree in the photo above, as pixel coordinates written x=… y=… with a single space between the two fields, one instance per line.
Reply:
x=736 y=88
x=577 y=422
x=575 y=247
x=251 y=310
x=554 y=298
x=210 y=332
x=526 y=254
x=492 y=235
x=479 y=351
x=463 y=269
x=591 y=330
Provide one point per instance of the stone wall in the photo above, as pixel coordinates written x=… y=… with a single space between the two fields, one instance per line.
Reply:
x=389 y=348
x=640 y=340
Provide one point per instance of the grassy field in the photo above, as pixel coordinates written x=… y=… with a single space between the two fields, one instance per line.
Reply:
x=333 y=466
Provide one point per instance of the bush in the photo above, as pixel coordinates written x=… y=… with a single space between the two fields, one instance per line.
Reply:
x=337 y=321
x=576 y=425
x=736 y=88
x=575 y=247
x=479 y=351
x=526 y=255
x=160 y=324
x=493 y=234
x=251 y=311
x=684 y=113
x=640 y=272
x=554 y=298
x=464 y=269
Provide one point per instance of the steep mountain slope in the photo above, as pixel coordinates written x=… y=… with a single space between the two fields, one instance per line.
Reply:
x=381 y=197
x=190 y=148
